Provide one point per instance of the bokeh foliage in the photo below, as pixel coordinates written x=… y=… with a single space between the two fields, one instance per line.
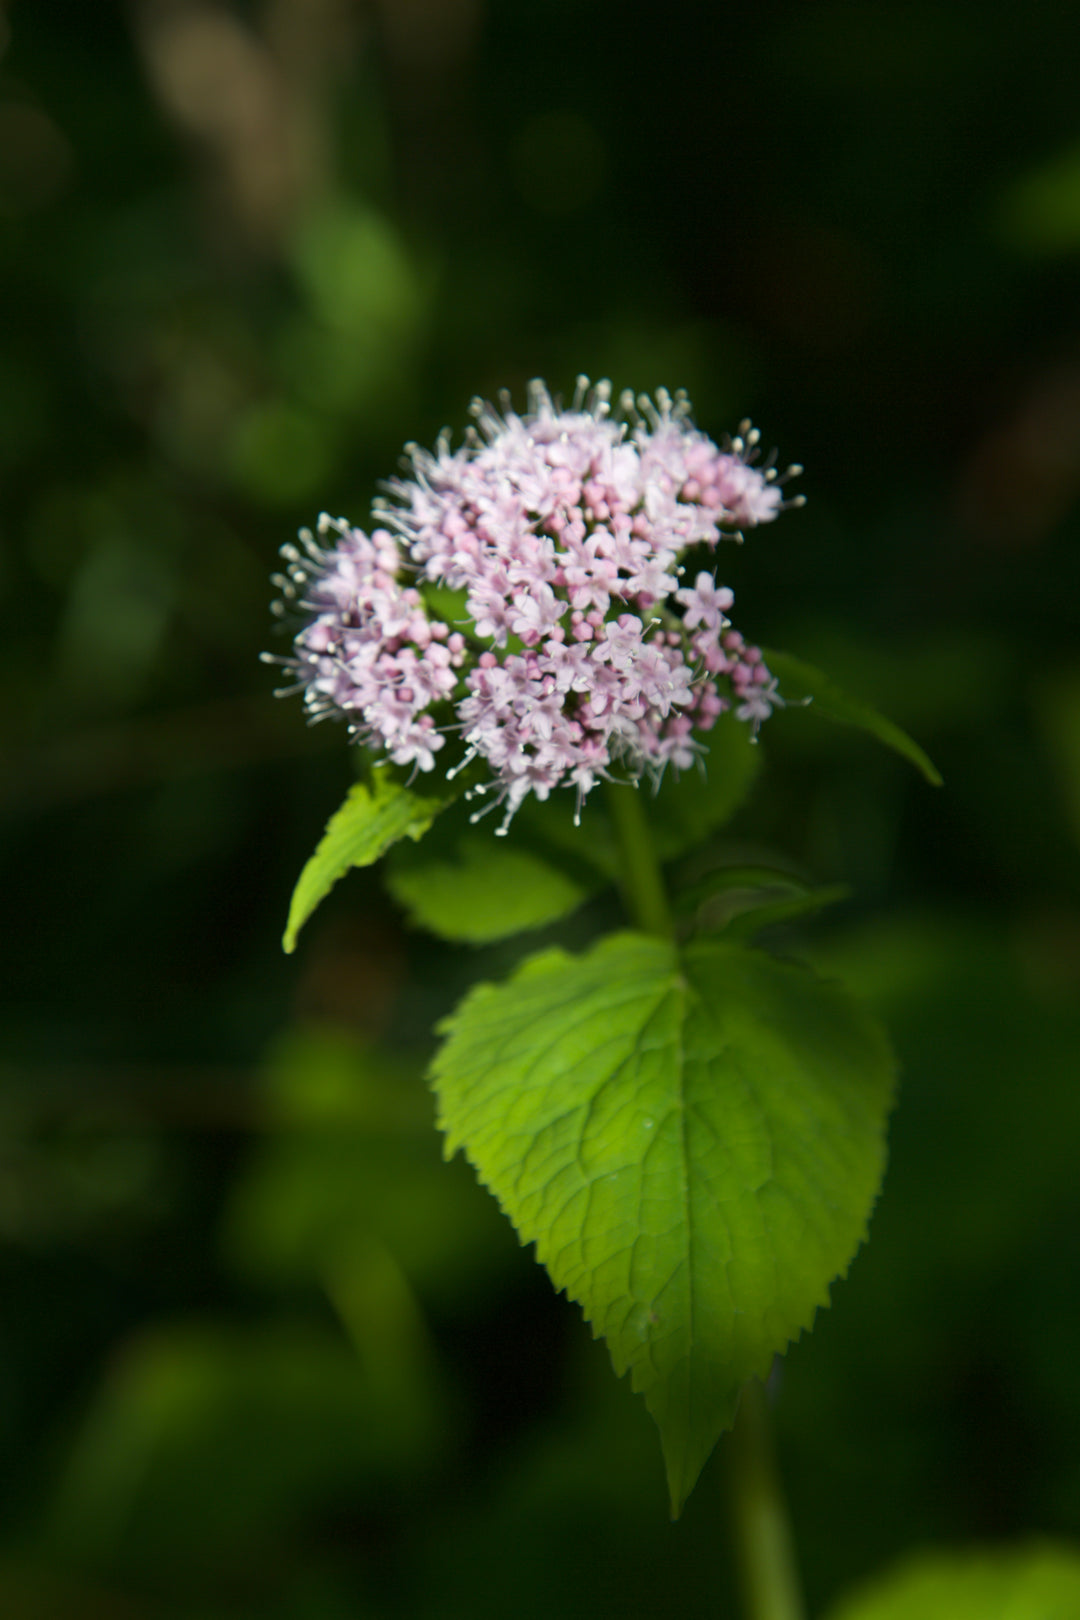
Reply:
x=261 y=1352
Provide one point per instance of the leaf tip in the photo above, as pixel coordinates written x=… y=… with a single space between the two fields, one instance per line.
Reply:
x=681 y=1480
x=292 y=929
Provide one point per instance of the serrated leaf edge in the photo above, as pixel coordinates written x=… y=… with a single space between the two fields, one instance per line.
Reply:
x=302 y=904
x=791 y=1324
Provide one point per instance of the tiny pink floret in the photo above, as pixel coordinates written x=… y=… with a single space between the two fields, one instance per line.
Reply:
x=577 y=649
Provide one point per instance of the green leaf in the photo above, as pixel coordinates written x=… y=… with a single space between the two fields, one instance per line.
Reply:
x=371 y=819
x=799 y=680
x=488 y=892
x=740 y=901
x=722 y=879
x=749 y=922
x=1038 y=1582
x=693 y=1142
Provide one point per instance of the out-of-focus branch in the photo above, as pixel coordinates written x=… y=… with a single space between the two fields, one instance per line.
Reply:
x=257 y=101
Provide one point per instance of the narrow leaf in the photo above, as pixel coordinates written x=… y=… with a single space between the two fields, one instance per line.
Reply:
x=751 y=919
x=692 y=1142
x=739 y=901
x=800 y=680
x=488 y=892
x=723 y=878
x=370 y=820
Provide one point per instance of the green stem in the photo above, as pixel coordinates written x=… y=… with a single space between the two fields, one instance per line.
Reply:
x=763 y=1541
x=642 y=882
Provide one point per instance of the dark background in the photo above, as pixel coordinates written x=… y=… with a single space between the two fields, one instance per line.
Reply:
x=261 y=1353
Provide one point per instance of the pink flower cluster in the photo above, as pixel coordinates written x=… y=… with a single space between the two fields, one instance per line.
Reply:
x=568 y=643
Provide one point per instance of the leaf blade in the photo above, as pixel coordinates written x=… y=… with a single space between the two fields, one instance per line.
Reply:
x=802 y=680
x=488 y=891
x=370 y=820
x=598 y=1099
x=749 y=922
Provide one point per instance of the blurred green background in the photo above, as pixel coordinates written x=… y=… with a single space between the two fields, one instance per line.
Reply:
x=261 y=1352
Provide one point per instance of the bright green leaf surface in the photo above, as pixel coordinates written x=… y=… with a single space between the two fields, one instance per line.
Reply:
x=799 y=680
x=1039 y=1582
x=693 y=1143
x=489 y=892
x=371 y=819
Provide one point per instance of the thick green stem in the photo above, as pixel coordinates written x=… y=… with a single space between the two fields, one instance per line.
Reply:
x=641 y=881
x=763 y=1541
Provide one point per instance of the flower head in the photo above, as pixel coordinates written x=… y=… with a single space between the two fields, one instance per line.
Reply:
x=576 y=648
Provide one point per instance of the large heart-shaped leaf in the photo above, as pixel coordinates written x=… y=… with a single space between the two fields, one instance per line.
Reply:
x=692 y=1140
